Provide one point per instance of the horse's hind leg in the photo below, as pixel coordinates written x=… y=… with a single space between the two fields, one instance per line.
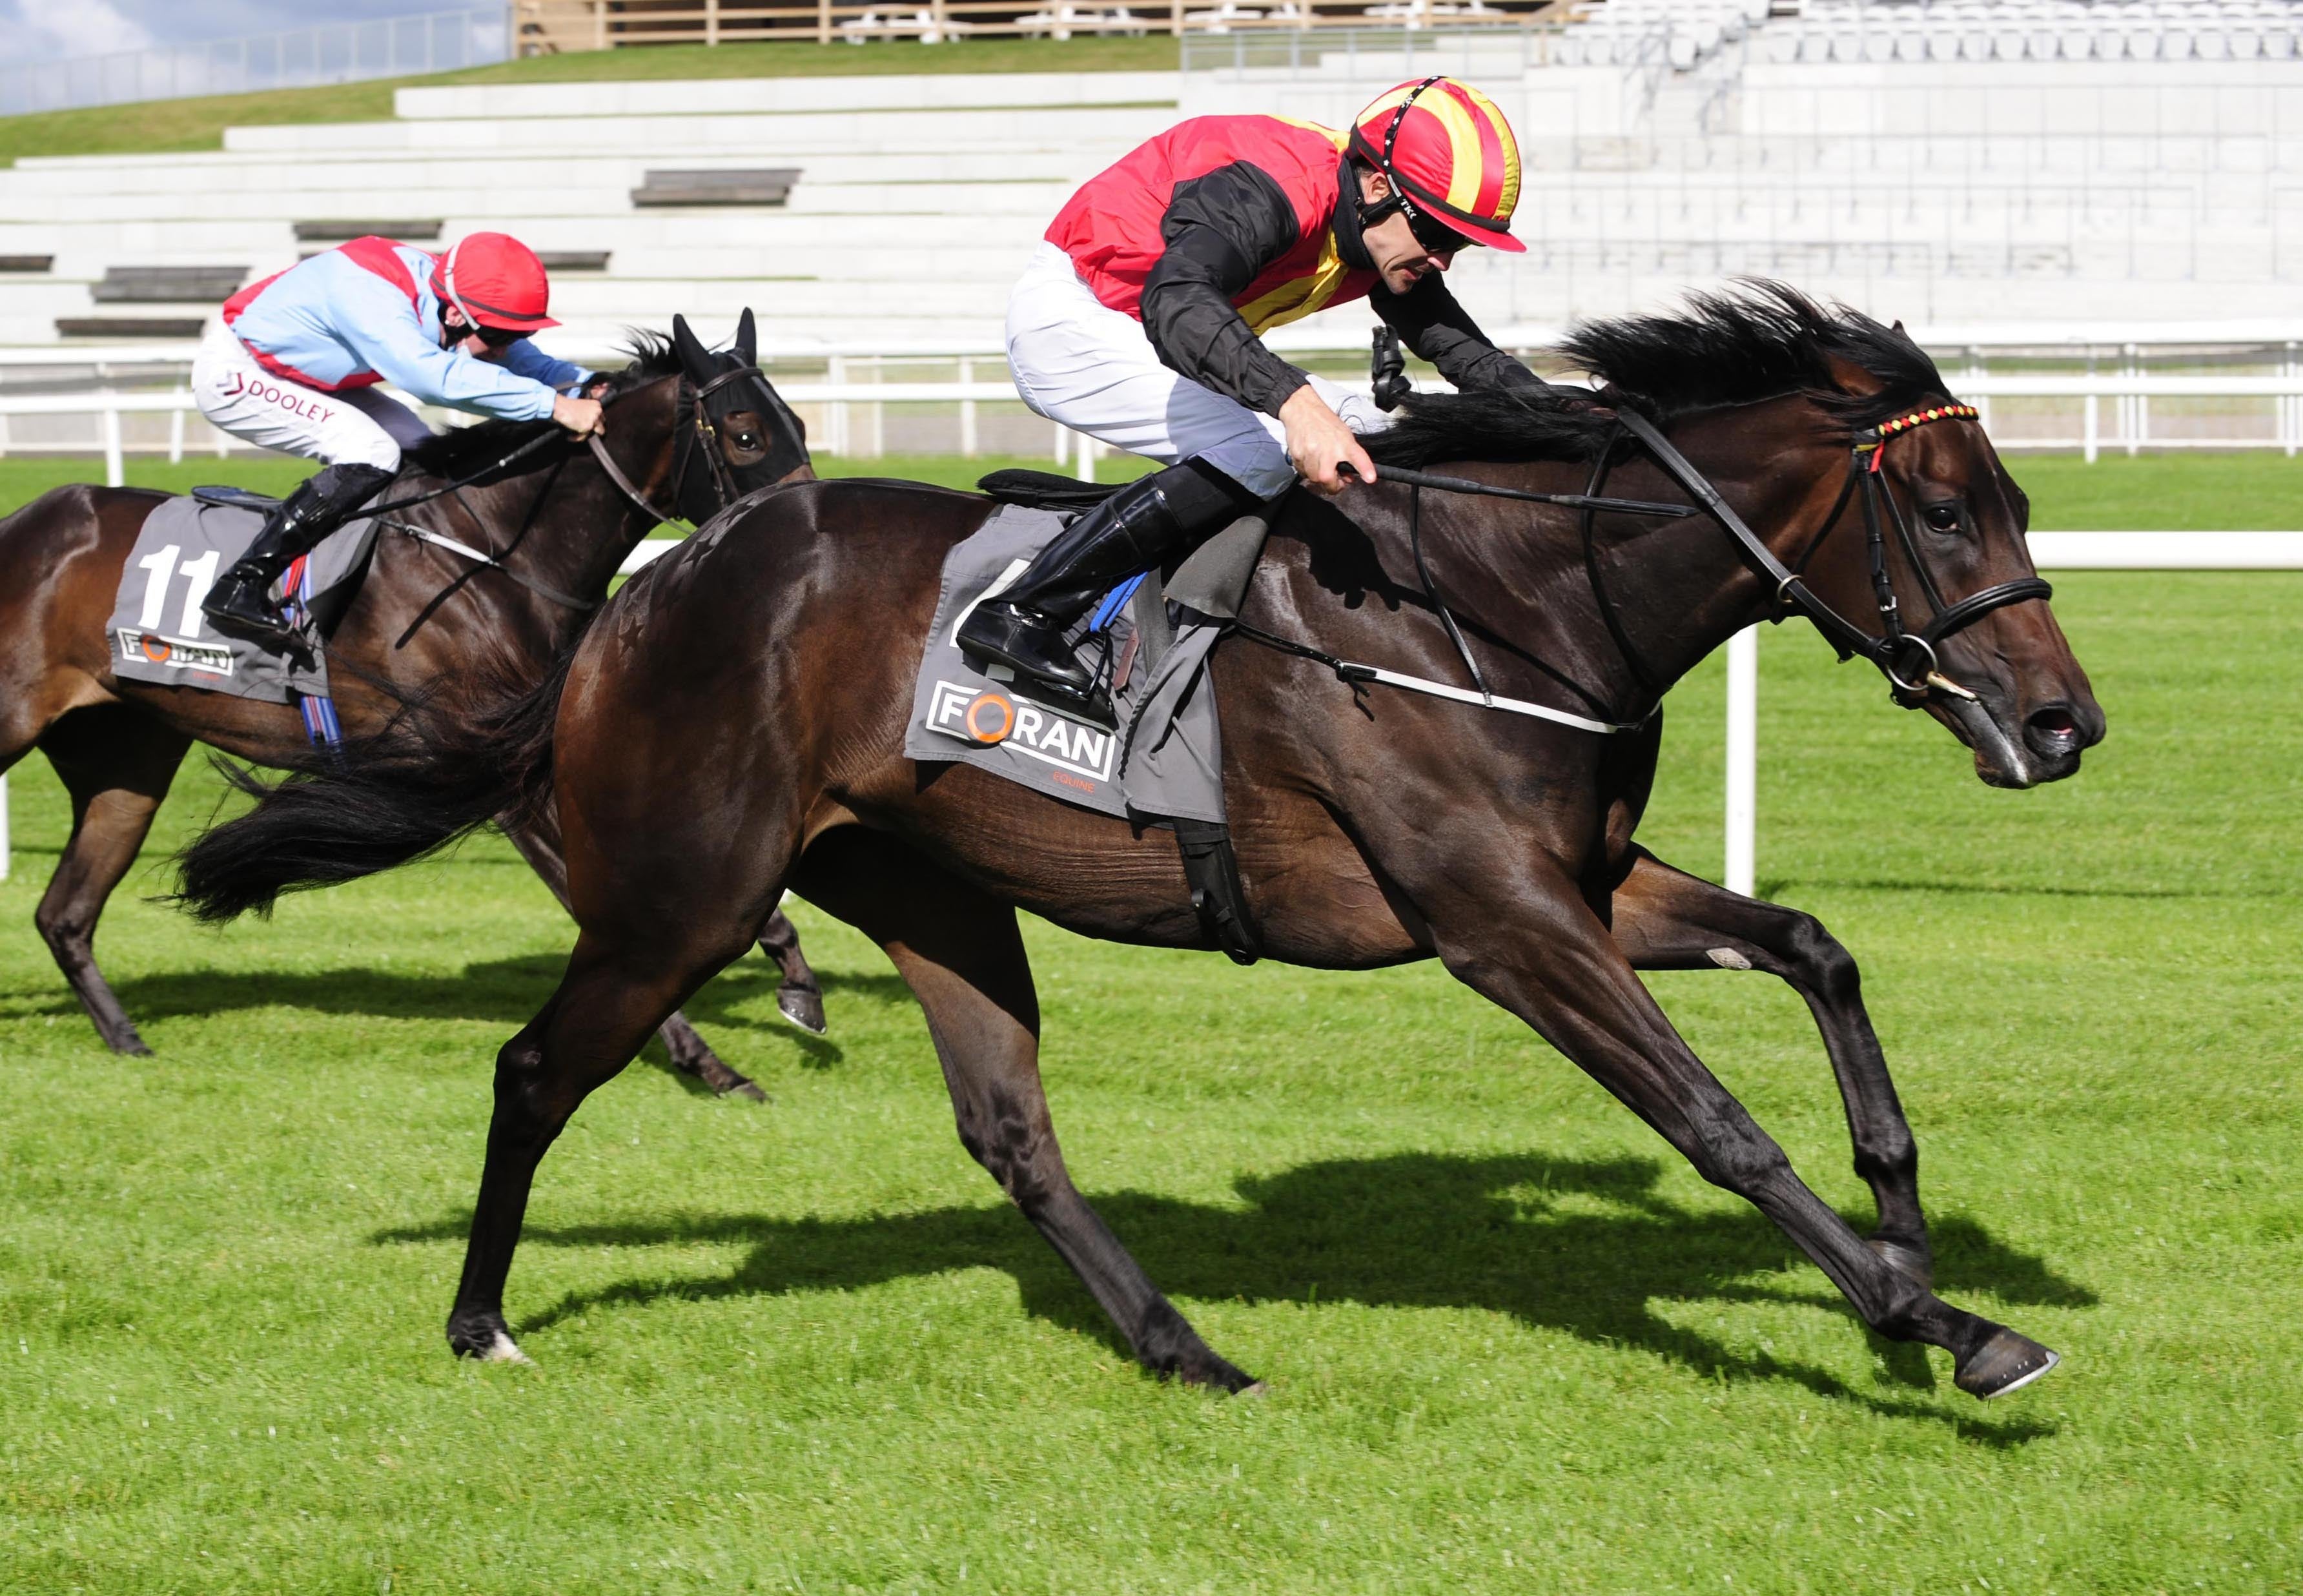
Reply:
x=963 y=957
x=690 y=1053
x=800 y=996
x=117 y=764
x=1666 y=919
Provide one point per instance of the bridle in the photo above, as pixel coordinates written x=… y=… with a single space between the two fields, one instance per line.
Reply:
x=1908 y=659
x=696 y=430
x=692 y=428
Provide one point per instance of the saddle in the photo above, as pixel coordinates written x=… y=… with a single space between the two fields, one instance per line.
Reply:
x=1045 y=490
x=237 y=498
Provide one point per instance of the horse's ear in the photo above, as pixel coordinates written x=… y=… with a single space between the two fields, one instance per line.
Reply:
x=747 y=341
x=693 y=359
x=1899 y=330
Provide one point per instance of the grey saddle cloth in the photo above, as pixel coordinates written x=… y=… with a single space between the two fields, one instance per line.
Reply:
x=157 y=633
x=1166 y=760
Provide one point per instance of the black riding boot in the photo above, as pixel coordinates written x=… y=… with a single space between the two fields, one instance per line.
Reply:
x=1140 y=528
x=240 y=604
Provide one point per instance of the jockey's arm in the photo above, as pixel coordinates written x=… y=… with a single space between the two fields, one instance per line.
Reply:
x=1431 y=322
x=383 y=332
x=1221 y=229
x=522 y=356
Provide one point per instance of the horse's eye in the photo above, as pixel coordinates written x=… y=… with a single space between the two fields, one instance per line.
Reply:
x=1941 y=518
x=747 y=440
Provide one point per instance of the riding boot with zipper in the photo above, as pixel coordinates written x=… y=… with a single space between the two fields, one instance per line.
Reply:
x=240 y=604
x=1140 y=528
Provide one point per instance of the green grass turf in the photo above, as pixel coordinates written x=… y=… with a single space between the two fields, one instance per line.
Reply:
x=1514 y=1343
x=163 y=125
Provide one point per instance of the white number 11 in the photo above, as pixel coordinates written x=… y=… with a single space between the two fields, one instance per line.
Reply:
x=198 y=574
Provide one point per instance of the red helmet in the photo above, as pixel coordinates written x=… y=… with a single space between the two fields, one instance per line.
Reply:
x=495 y=280
x=1448 y=152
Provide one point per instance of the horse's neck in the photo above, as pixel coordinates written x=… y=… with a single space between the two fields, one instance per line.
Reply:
x=570 y=533
x=1681 y=588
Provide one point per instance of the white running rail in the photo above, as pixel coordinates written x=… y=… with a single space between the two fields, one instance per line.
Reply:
x=2129 y=430
x=2050 y=551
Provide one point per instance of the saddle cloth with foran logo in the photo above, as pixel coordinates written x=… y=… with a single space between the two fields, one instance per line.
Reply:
x=1164 y=761
x=156 y=632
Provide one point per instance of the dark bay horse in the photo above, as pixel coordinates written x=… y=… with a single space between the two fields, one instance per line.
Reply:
x=1373 y=826
x=426 y=618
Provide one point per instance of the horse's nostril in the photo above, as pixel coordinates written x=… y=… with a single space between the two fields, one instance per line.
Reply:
x=2052 y=730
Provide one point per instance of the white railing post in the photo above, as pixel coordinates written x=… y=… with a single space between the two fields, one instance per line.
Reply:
x=1086 y=446
x=835 y=417
x=2094 y=406
x=2292 y=404
x=1742 y=759
x=966 y=409
x=176 y=432
x=114 y=474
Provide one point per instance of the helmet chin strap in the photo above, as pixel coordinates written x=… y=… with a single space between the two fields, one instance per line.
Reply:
x=448 y=281
x=1395 y=201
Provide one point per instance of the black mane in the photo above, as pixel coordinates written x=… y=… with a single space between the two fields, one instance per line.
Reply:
x=464 y=449
x=1764 y=341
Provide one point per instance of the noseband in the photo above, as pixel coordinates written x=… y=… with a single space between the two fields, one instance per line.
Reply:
x=1906 y=658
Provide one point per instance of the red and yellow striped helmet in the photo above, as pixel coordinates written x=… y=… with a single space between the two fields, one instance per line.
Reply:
x=1449 y=152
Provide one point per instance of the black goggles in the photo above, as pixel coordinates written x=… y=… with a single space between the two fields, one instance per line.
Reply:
x=1431 y=232
x=498 y=337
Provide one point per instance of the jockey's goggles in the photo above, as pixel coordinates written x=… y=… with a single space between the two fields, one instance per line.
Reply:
x=498 y=337
x=1434 y=234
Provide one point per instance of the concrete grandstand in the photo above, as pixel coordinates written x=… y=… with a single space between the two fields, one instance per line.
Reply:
x=2033 y=199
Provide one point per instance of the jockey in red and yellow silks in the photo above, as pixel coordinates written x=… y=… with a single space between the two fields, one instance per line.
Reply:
x=1138 y=323
x=294 y=362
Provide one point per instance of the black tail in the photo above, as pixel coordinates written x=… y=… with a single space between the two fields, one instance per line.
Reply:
x=425 y=781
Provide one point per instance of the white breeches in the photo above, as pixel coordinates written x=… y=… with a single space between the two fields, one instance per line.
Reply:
x=1090 y=367
x=359 y=425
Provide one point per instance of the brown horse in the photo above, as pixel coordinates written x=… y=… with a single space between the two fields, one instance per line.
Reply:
x=426 y=618
x=1373 y=826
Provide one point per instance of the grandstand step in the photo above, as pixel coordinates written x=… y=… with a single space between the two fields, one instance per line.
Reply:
x=1119 y=129
x=407 y=232
x=168 y=284
x=983 y=91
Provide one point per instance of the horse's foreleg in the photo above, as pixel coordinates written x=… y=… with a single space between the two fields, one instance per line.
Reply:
x=690 y=1053
x=592 y=1025
x=1528 y=940
x=961 y=954
x=800 y=996
x=117 y=765
x=1666 y=919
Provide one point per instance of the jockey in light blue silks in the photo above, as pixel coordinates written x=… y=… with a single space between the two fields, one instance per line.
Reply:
x=294 y=362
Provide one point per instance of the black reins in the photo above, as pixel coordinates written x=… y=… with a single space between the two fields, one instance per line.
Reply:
x=692 y=429
x=1906 y=658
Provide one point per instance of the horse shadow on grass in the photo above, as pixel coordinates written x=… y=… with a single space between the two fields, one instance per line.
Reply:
x=504 y=991
x=1585 y=1246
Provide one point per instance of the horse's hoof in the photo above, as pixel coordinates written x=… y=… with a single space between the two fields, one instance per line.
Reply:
x=725 y=1082
x=2008 y=1361
x=803 y=1009
x=1258 y=1390
x=485 y=1340
x=1913 y=1262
